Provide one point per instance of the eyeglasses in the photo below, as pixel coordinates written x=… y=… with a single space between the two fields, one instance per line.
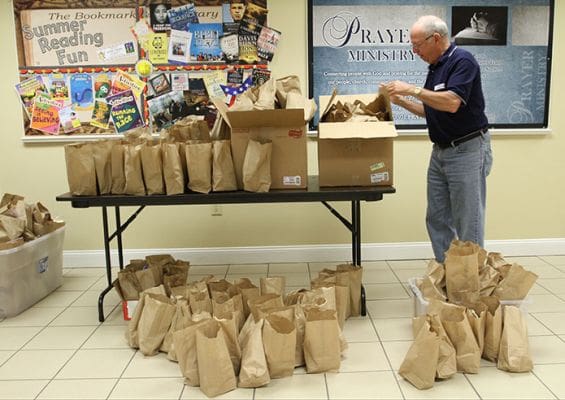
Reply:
x=417 y=46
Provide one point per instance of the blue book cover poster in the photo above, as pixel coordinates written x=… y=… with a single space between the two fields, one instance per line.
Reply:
x=205 y=45
x=82 y=95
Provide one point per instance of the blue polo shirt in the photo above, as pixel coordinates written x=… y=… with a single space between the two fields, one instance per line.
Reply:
x=456 y=71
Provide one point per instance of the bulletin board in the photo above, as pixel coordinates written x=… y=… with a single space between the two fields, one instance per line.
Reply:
x=355 y=45
x=81 y=74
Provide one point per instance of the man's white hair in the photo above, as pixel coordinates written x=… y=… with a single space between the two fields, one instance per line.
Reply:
x=431 y=24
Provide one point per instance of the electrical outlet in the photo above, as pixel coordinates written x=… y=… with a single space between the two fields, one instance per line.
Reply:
x=217 y=210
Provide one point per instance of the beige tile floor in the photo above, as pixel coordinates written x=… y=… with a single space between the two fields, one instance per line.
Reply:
x=58 y=350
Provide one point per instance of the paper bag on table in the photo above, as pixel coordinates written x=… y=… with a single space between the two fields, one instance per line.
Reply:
x=101 y=152
x=133 y=171
x=420 y=363
x=152 y=165
x=81 y=172
x=172 y=169
x=279 y=342
x=117 y=168
x=514 y=353
x=516 y=284
x=322 y=345
x=462 y=272
x=493 y=328
x=199 y=166
x=223 y=172
x=257 y=166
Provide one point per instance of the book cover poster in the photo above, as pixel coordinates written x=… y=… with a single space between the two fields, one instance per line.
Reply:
x=124 y=113
x=179 y=81
x=58 y=88
x=159 y=17
x=248 y=49
x=100 y=114
x=179 y=46
x=102 y=86
x=254 y=18
x=230 y=47
x=28 y=89
x=45 y=114
x=232 y=14
x=123 y=81
x=157 y=48
x=73 y=37
x=69 y=119
x=82 y=95
x=205 y=45
x=160 y=84
x=267 y=43
x=182 y=16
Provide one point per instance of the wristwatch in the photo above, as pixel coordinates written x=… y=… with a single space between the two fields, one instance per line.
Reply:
x=416 y=92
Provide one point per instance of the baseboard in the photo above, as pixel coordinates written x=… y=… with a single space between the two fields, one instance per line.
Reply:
x=313 y=253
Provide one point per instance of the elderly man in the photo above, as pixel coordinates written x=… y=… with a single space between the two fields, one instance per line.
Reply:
x=453 y=104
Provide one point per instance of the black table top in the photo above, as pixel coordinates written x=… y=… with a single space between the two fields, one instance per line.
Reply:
x=312 y=194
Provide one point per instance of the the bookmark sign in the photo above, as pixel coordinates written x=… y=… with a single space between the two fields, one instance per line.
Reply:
x=76 y=37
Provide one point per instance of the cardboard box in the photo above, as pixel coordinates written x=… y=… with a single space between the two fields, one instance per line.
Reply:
x=355 y=153
x=285 y=128
x=30 y=272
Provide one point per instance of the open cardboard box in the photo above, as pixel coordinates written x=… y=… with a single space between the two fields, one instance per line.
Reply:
x=285 y=128
x=355 y=153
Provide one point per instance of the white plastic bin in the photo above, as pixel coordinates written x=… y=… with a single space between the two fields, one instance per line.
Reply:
x=421 y=304
x=30 y=272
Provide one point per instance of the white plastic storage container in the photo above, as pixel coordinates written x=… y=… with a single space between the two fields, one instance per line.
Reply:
x=421 y=304
x=30 y=272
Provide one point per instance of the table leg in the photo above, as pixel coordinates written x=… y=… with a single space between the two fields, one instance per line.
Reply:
x=356 y=244
x=108 y=265
x=119 y=237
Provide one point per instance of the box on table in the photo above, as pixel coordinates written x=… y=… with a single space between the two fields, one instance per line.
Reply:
x=30 y=272
x=421 y=304
x=285 y=128
x=355 y=153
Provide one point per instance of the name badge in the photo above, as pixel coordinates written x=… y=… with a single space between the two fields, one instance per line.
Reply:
x=439 y=86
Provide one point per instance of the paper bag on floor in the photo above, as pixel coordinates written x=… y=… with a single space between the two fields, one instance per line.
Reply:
x=476 y=314
x=273 y=285
x=228 y=323
x=458 y=328
x=341 y=298
x=322 y=346
x=496 y=260
x=279 y=342
x=181 y=319
x=488 y=280
x=154 y=323
x=215 y=370
x=264 y=301
x=248 y=292
x=419 y=365
x=514 y=353
x=493 y=328
x=355 y=280
x=81 y=173
x=462 y=272
x=516 y=284
x=257 y=166
x=254 y=371
x=447 y=357
x=184 y=342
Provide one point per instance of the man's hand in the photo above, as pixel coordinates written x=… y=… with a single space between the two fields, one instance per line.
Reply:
x=399 y=88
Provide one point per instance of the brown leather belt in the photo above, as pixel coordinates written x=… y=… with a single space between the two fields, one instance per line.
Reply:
x=463 y=139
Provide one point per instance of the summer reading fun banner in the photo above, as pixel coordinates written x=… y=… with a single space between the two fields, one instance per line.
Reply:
x=358 y=44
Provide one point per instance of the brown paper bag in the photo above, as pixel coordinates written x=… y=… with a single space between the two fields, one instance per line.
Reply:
x=488 y=280
x=458 y=328
x=514 y=353
x=286 y=85
x=516 y=284
x=279 y=342
x=496 y=260
x=341 y=299
x=200 y=301
x=181 y=319
x=199 y=166
x=248 y=292
x=264 y=301
x=184 y=343
x=81 y=172
x=117 y=168
x=154 y=323
x=229 y=326
x=447 y=357
x=462 y=272
x=493 y=328
x=223 y=172
x=355 y=279
x=172 y=169
x=152 y=165
x=420 y=363
x=272 y=285
x=215 y=370
x=476 y=314
x=257 y=166
x=132 y=170
x=132 y=335
x=101 y=152
x=322 y=347
x=254 y=371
